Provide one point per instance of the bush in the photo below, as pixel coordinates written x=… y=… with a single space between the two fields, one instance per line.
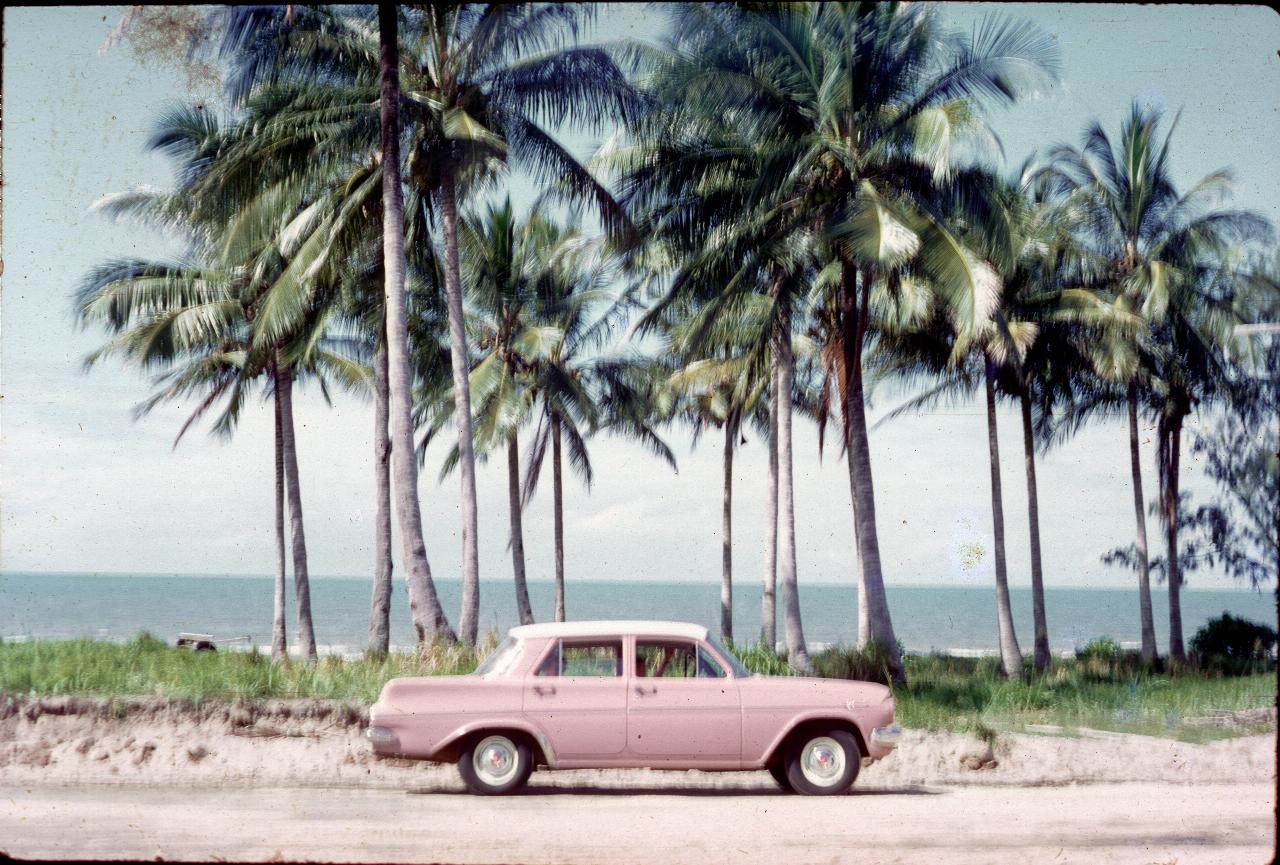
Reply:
x=869 y=664
x=1102 y=649
x=1233 y=646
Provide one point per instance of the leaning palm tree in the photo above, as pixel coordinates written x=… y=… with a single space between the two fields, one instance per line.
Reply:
x=1158 y=244
x=483 y=84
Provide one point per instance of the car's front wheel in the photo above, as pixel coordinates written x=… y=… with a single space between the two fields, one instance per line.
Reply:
x=495 y=763
x=823 y=762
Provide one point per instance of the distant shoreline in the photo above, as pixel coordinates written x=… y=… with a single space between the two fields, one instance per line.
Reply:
x=595 y=581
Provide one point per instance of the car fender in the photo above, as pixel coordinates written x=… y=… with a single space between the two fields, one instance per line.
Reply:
x=449 y=744
x=815 y=715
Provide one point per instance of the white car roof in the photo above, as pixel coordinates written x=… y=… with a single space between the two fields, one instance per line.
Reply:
x=606 y=628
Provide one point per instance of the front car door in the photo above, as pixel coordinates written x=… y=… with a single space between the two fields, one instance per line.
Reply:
x=683 y=708
x=577 y=695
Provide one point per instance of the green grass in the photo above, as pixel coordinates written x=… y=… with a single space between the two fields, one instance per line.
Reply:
x=944 y=693
x=147 y=666
x=971 y=695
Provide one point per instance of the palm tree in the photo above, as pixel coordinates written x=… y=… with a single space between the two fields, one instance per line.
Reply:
x=190 y=320
x=193 y=324
x=839 y=120
x=580 y=388
x=432 y=622
x=505 y=260
x=1157 y=243
x=484 y=83
x=719 y=392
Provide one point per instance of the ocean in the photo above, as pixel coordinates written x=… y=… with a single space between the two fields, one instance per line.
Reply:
x=945 y=618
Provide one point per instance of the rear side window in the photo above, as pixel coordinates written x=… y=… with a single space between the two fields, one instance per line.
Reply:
x=583 y=658
x=675 y=659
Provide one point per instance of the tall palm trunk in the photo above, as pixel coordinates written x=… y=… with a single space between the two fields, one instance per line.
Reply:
x=768 y=599
x=864 y=610
x=1149 y=652
x=279 y=636
x=1010 y=654
x=872 y=600
x=726 y=541
x=301 y=576
x=1172 y=459
x=469 y=618
x=557 y=507
x=428 y=617
x=793 y=630
x=1042 y=656
x=380 y=602
x=517 y=530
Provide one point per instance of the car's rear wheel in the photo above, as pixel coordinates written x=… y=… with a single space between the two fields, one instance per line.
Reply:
x=779 y=773
x=823 y=762
x=492 y=764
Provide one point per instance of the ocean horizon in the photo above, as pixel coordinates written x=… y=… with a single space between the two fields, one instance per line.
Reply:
x=946 y=618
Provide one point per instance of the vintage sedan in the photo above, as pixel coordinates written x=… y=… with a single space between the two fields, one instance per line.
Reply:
x=665 y=695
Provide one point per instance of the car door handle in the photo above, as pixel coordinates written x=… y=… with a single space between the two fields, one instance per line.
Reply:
x=543 y=690
x=644 y=692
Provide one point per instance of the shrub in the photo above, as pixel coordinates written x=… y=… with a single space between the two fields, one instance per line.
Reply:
x=1233 y=646
x=868 y=664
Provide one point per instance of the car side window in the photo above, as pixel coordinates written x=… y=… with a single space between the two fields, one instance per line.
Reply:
x=583 y=658
x=675 y=659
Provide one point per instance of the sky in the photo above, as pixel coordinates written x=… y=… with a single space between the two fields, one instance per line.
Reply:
x=86 y=487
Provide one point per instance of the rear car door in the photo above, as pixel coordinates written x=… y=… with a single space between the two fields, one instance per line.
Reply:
x=682 y=707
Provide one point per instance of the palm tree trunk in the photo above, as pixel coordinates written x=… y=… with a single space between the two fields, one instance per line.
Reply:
x=726 y=541
x=517 y=530
x=855 y=316
x=469 y=618
x=793 y=630
x=557 y=496
x=279 y=636
x=768 y=599
x=424 y=605
x=1010 y=654
x=864 y=609
x=301 y=576
x=1173 y=459
x=1149 y=652
x=1042 y=656
x=380 y=602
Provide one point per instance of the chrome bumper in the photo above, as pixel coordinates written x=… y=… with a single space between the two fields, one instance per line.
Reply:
x=887 y=737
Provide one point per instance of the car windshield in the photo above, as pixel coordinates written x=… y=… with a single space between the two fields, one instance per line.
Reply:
x=501 y=660
x=739 y=671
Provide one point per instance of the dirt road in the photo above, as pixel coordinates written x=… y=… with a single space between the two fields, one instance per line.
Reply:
x=682 y=822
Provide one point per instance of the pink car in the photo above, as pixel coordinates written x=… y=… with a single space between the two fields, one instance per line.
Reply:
x=666 y=695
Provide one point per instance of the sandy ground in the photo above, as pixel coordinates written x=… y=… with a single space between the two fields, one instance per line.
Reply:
x=154 y=777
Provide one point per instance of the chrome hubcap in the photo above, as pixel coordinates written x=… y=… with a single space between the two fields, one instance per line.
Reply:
x=495 y=760
x=822 y=761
